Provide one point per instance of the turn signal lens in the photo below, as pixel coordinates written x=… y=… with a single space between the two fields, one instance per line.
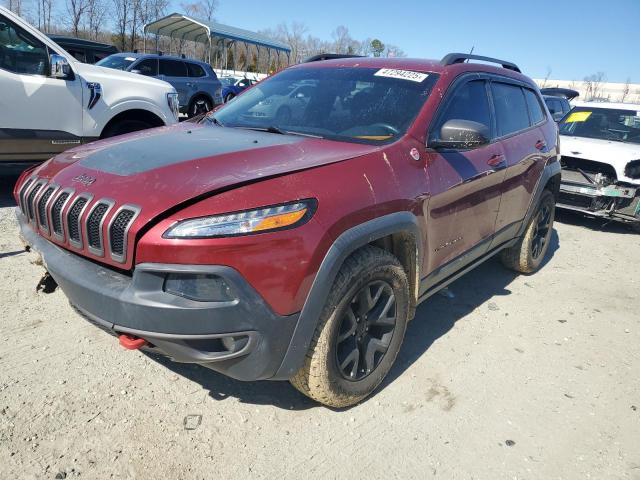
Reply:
x=244 y=223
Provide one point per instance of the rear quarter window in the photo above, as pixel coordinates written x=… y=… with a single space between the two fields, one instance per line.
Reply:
x=511 y=108
x=535 y=109
x=195 y=70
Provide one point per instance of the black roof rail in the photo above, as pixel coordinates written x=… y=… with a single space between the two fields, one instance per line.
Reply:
x=453 y=58
x=329 y=56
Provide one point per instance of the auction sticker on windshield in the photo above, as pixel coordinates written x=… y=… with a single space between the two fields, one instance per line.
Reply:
x=578 y=117
x=402 y=74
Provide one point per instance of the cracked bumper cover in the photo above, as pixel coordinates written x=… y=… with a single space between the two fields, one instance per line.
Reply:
x=620 y=202
x=183 y=329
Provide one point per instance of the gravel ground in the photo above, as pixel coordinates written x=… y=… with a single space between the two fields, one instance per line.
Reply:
x=524 y=377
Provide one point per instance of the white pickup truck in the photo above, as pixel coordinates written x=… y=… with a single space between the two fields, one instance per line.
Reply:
x=50 y=102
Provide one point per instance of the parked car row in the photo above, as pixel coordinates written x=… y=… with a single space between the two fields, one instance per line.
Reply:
x=198 y=87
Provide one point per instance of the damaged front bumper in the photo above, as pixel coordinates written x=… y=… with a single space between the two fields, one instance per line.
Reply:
x=584 y=193
x=242 y=338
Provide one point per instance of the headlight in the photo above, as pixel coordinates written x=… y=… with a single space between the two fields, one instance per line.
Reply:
x=174 y=105
x=244 y=223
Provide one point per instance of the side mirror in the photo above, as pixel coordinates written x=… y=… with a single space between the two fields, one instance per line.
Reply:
x=60 y=67
x=460 y=134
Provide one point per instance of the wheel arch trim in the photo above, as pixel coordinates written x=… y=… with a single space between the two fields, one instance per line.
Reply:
x=344 y=245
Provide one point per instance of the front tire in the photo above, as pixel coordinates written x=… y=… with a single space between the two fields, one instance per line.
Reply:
x=125 y=126
x=360 y=330
x=229 y=97
x=527 y=255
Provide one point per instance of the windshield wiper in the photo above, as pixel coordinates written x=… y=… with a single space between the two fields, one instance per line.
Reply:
x=279 y=131
x=215 y=121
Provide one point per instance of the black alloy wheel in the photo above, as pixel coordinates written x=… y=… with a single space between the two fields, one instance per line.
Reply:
x=366 y=330
x=541 y=231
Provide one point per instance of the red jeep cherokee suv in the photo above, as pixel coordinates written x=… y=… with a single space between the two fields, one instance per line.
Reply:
x=291 y=233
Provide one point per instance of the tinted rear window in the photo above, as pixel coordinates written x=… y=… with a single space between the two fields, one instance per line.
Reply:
x=173 y=68
x=535 y=110
x=511 y=108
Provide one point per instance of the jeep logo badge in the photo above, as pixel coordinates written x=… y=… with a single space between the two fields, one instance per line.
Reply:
x=84 y=179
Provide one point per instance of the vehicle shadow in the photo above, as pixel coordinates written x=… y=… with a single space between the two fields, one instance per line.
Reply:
x=593 y=223
x=7 y=183
x=438 y=314
x=434 y=318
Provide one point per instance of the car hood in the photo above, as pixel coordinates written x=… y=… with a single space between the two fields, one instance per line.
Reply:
x=616 y=154
x=160 y=169
x=605 y=151
x=104 y=75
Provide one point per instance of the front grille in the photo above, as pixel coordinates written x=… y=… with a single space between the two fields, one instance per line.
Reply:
x=94 y=224
x=30 y=198
x=23 y=190
x=73 y=225
x=42 y=204
x=575 y=200
x=56 y=210
x=118 y=230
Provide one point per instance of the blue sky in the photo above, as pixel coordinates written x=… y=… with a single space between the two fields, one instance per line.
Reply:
x=574 y=38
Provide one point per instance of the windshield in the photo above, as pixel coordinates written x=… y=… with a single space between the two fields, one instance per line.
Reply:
x=353 y=104
x=602 y=123
x=116 y=61
x=226 y=81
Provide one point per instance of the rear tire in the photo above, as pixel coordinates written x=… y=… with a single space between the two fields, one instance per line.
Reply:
x=125 y=126
x=527 y=255
x=360 y=330
x=229 y=97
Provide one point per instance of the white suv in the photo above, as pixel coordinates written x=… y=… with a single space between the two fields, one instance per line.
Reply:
x=50 y=102
x=600 y=145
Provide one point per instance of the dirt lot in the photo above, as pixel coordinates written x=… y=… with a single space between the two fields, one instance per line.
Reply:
x=514 y=377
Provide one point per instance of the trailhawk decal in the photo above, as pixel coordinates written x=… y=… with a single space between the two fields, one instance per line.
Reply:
x=402 y=74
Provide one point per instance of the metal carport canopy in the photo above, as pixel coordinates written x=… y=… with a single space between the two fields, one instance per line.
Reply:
x=184 y=27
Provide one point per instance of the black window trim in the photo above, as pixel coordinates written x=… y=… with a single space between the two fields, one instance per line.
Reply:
x=454 y=86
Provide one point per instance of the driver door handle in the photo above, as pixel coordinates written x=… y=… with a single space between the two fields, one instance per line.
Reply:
x=497 y=161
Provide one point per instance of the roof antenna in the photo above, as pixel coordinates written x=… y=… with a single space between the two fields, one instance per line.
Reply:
x=470 y=52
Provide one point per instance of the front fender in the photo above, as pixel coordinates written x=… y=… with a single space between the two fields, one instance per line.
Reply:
x=346 y=243
x=98 y=118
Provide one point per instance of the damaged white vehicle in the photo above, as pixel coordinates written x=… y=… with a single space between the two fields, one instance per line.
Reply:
x=600 y=145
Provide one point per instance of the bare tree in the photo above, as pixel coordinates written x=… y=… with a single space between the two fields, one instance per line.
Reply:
x=77 y=10
x=593 y=85
x=96 y=14
x=15 y=6
x=123 y=19
x=625 y=91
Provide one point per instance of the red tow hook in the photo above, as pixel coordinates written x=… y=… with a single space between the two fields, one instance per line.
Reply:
x=131 y=342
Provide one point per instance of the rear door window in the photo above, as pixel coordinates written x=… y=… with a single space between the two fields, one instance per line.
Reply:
x=195 y=70
x=535 y=110
x=510 y=107
x=173 y=68
x=148 y=67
